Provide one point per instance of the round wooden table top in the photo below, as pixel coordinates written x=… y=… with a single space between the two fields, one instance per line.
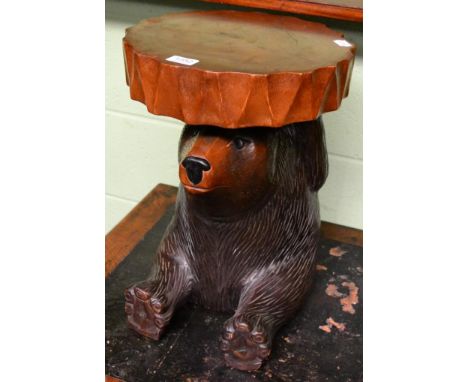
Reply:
x=237 y=69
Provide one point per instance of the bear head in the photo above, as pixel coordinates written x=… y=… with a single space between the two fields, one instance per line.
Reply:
x=229 y=171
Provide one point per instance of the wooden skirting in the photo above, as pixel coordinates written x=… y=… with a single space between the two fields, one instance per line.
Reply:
x=341 y=233
x=113 y=379
x=129 y=232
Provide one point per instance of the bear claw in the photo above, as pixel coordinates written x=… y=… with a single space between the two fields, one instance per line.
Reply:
x=144 y=311
x=244 y=348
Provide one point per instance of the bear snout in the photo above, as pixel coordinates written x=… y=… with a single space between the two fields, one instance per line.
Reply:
x=194 y=166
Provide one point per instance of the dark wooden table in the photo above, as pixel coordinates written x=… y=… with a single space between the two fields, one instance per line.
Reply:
x=322 y=343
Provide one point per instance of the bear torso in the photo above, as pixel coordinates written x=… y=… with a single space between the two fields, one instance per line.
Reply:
x=224 y=254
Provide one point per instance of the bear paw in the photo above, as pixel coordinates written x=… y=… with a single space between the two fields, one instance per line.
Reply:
x=147 y=313
x=245 y=346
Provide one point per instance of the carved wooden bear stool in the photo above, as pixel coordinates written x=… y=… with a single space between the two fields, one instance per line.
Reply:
x=251 y=88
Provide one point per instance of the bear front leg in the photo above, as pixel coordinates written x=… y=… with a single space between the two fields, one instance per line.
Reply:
x=146 y=311
x=150 y=304
x=264 y=306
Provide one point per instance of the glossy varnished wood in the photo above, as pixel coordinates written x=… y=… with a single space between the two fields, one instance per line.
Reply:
x=131 y=230
x=350 y=10
x=244 y=236
x=253 y=69
x=245 y=233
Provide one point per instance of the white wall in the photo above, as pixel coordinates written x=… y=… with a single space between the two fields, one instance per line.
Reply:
x=141 y=148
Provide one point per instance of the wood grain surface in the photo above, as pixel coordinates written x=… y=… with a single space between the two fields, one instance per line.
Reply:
x=350 y=10
x=253 y=69
x=131 y=230
x=341 y=233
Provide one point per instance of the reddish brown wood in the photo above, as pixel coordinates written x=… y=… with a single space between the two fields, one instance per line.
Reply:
x=254 y=69
x=128 y=233
x=350 y=10
x=113 y=379
x=341 y=233
x=238 y=186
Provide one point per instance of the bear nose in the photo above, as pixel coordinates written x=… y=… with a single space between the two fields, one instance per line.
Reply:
x=195 y=167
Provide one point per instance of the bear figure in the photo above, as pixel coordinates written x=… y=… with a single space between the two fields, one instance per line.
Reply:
x=244 y=235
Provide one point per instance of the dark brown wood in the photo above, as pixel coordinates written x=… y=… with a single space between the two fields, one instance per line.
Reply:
x=342 y=234
x=253 y=69
x=350 y=10
x=129 y=232
x=244 y=236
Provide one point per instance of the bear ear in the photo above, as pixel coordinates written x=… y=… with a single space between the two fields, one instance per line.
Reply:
x=315 y=155
x=298 y=154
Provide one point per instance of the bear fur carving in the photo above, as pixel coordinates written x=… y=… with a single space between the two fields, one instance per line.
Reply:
x=244 y=235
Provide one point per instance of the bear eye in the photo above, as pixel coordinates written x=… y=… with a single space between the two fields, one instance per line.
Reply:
x=240 y=142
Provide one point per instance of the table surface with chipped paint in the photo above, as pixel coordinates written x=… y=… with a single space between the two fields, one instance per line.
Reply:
x=322 y=343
